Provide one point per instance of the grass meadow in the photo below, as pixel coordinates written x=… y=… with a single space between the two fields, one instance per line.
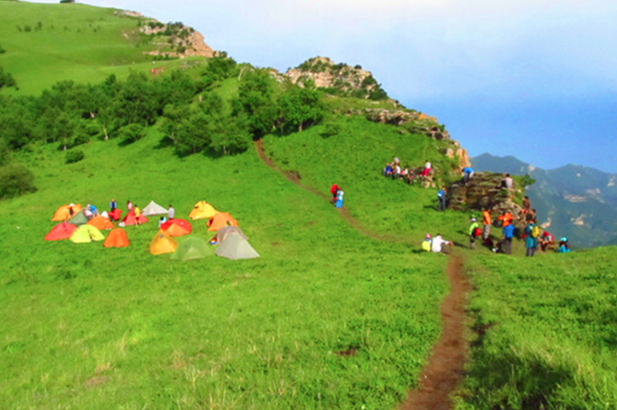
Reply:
x=545 y=335
x=73 y=42
x=89 y=327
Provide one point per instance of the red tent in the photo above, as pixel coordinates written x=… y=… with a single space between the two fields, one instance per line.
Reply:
x=176 y=227
x=61 y=231
x=130 y=219
x=115 y=214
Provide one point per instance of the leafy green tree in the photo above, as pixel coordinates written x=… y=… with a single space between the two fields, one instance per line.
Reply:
x=16 y=123
x=256 y=100
x=131 y=133
x=219 y=68
x=6 y=79
x=137 y=101
x=300 y=107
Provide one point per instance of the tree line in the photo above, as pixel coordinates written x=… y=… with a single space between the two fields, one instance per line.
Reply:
x=189 y=112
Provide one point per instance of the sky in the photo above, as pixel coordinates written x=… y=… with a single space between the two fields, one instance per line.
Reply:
x=535 y=79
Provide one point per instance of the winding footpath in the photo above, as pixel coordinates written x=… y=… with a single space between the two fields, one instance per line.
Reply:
x=444 y=370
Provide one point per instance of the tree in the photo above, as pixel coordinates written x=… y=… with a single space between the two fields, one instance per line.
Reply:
x=255 y=99
x=299 y=108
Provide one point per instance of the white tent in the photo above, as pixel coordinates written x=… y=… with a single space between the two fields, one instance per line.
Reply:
x=234 y=246
x=153 y=209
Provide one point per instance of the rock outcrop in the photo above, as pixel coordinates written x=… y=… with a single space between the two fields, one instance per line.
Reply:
x=175 y=40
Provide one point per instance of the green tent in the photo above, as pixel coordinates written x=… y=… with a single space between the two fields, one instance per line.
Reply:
x=191 y=247
x=85 y=234
x=78 y=219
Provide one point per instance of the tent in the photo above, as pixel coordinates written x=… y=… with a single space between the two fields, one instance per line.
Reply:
x=79 y=218
x=153 y=209
x=63 y=213
x=176 y=227
x=86 y=233
x=130 y=219
x=100 y=223
x=115 y=214
x=116 y=239
x=203 y=210
x=220 y=220
x=192 y=248
x=235 y=247
x=224 y=231
x=162 y=243
x=63 y=230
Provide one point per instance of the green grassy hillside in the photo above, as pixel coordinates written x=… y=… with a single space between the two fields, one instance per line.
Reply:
x=89 y=327
x=46 y=43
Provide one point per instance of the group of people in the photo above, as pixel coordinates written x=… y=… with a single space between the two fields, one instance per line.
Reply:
x=337 y=195
x=90 y=211
x=532 y=233
x=394 y=170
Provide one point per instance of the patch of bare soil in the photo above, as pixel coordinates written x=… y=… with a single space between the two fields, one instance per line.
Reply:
x=444 y=370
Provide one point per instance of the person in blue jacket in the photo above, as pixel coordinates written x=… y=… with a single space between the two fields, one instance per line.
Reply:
x=508 y=234
x=467 y=174
x=531 y=240
x=563 y=246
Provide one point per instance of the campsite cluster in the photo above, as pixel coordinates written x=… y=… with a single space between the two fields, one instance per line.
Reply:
x=85 y=225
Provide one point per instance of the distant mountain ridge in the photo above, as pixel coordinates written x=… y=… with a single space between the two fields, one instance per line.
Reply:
x=574 y=201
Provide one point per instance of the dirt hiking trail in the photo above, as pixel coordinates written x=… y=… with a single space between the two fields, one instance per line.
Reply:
x=444 y=369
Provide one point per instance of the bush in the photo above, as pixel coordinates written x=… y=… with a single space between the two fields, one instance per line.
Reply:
x=15 y=180
x=131 y=133
x=74 y=156
x=2 y=50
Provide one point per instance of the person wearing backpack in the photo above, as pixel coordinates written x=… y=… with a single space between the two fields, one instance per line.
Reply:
x=474 y=233
x=532 y=232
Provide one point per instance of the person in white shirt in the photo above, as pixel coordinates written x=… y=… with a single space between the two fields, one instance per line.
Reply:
x=171 y=212
x=439 y=244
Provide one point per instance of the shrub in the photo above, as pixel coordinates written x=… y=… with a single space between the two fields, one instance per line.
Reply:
x=2 y=50
x=15 y=180
x=131 y=133
x=74 y=156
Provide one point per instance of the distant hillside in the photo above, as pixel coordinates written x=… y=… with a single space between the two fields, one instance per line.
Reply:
x=573 y=201
x=47 y=43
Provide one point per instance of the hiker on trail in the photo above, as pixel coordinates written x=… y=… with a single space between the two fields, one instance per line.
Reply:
x=387 y=171
x=532 y=232
x=474 y=233
x=507 y=182
x=427 y=168
x=467 y=174
x=564 y=246
x=112 y=204
x=486 y=223
x=427 y=243
x=508 y=234
x=339 y=198
x=171 y=212
x=506 y=218
x=441 y=196
x=333 y=190
x=546 y=240
x=440 y=245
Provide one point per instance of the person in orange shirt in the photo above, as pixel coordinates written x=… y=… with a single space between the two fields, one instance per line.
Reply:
x=486 y=221
x=506 y=218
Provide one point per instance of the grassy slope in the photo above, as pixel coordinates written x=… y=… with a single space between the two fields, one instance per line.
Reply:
x=77 y=42
x=548 y=332
x=88 y=327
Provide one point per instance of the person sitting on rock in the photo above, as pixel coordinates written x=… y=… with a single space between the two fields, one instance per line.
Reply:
x=507 y=182
x=467 y=174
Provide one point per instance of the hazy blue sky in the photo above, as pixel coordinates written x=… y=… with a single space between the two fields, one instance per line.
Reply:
x=536 y=79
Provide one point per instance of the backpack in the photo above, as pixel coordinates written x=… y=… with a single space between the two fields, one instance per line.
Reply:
x=535 y=231
x=476 y=232
x=426 y=245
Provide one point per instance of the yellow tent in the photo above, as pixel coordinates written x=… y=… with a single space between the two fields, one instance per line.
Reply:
x=85 y=234
x=162 y=243
x=203 y=210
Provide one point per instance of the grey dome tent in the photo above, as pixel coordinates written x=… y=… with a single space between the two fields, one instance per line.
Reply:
x=153 y=209
x=191 y=248
x=223 y=232
x=234 y=246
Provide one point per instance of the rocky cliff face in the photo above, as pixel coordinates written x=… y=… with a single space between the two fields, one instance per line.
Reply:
x=175 y=40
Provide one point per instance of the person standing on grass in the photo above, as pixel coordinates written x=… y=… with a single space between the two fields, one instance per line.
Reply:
x=339 y=198
x=508 y=234
x=171 y=212
x=531 y=239
x=129 y=205
x=441 y=196
x=486 y=223
x=112 y=204
x=333 y=189
x=137 y=215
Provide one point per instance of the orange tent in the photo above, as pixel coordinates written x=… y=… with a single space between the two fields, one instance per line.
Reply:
x=63 y=213
x=176 y=227
x=116 y=239
x=162 y=243
x=221 y=220
x=63 y=230
x=100 y=223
